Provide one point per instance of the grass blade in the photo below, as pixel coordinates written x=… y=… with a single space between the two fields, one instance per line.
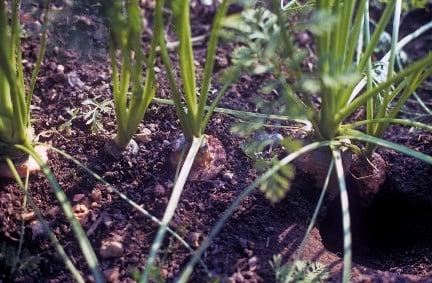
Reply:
x=403 y=122
x=356 y=135
x=68 y=263
x=80 y=235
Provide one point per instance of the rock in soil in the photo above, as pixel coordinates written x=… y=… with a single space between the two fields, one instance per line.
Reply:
x=37 y=229
x=209 y=161
x=28 y=216
x=144 y=135
x=96 y=195
x=112 y=274
x=81 y=213
x=159 y=190
x=194 y=239
x=78 y=197
x=111 y=249
x=116 y=152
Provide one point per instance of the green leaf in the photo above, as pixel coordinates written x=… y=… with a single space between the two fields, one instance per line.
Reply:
x=356 y=135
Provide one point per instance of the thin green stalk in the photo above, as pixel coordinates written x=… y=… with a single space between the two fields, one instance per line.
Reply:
x=215 y=102
x=210 y=59
x=125 y=36
x=412 y=85
x=412 y=82
x=80 y=235
x=16 y=55
x=24 y=209
x=187 y=61
x=395 y=33
x=119 y=104
x=303 y=243
x=39 y=58
x=172 y=205
x=173 y=87
x=419 y=100
x=128 y=201
x=403 y=42
x=139 y=103
x=346 y=222
x=376 y=35
x=359 y=101
x=66 y=260
x=191 y=116
x=356 y=38
x=403 y=122
x=240 y=113
x=356 y=135
x=369 y=74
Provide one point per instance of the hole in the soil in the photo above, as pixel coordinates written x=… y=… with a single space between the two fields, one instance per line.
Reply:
x=392 y=225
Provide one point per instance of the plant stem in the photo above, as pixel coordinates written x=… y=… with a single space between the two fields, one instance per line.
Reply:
x=172 y=205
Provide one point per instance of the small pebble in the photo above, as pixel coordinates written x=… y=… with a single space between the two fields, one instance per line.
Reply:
x=54 y=211
x=112 y=274
x=81 y=212
x=194 y=239
x=243 y=243
x=96 y=195
x=28 y=216
x=144 y=135
x=159 y=190
x=238 y=277
x=78 y=197
x=228 y=176
x=37 y=229
x=111 y=249
x=253 y=262
x=60 y=69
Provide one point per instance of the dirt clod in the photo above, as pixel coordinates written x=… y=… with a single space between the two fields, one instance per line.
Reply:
x=112 y=274
x=37 y=229
x=194 y=239
x=78 y=197
x=81 y=212
x=29 y=216
x=159 y=190
x=111 y=249
x=143 y=136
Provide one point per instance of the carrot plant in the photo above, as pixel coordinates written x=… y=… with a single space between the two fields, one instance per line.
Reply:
x=343 y=84
x=15 y=137
x=192 y=110
x=132 y=89
x=14 y=100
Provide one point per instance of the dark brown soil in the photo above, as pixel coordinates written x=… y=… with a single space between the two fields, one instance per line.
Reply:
x=391 y=237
